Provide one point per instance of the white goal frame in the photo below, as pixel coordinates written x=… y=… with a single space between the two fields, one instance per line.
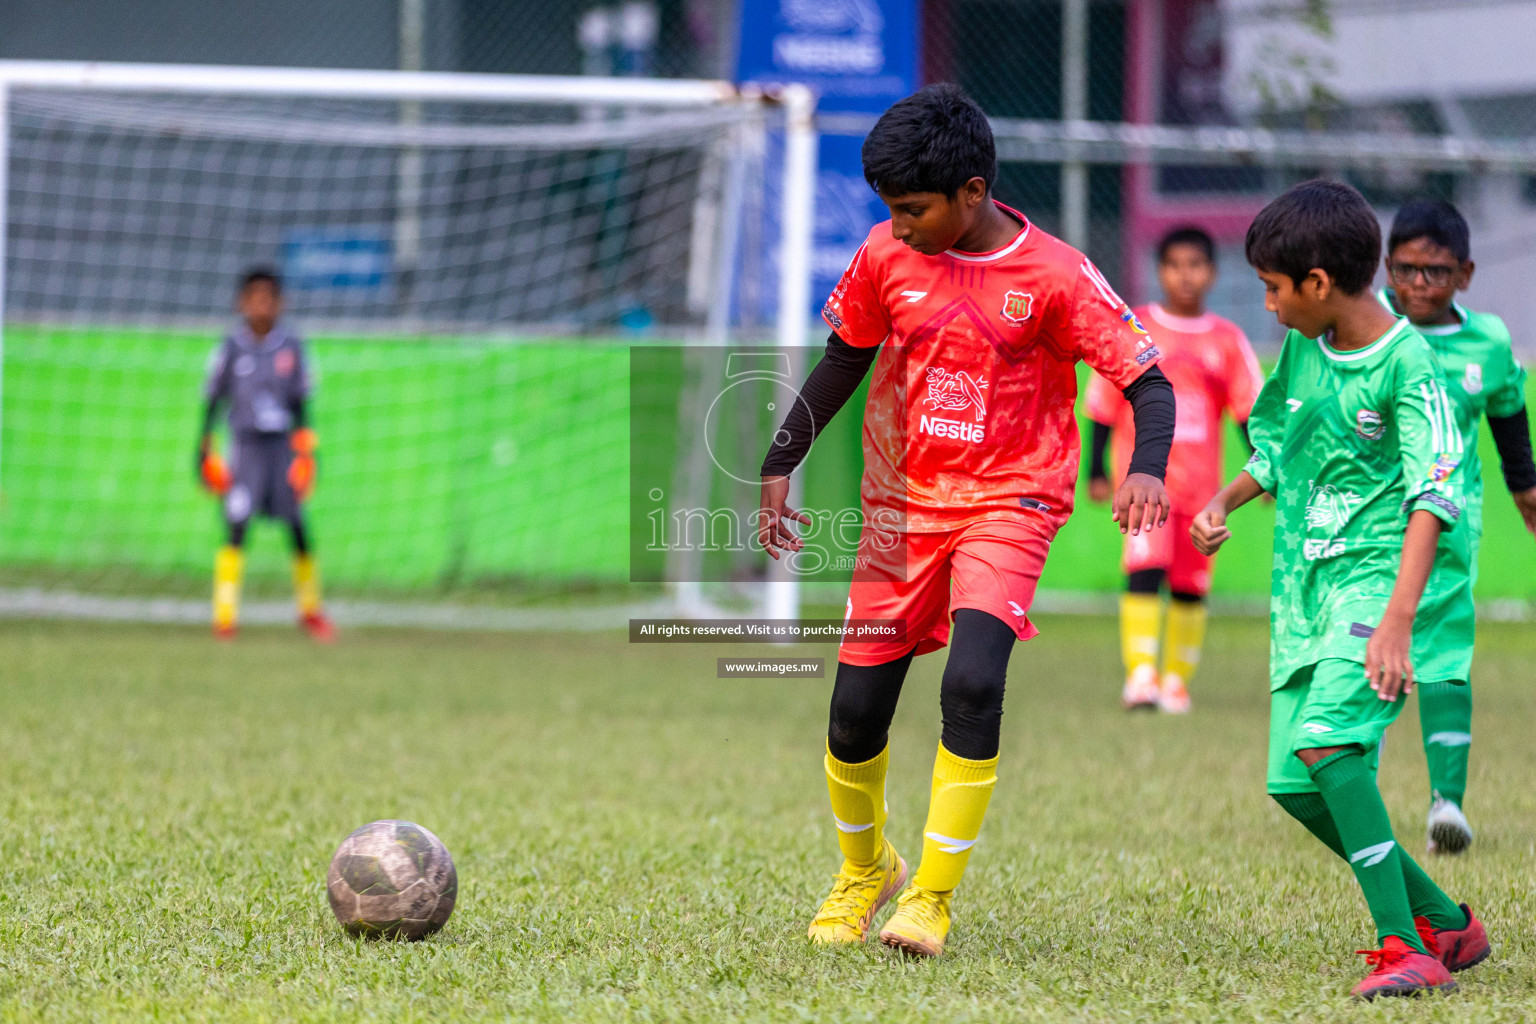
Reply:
x=798 y=172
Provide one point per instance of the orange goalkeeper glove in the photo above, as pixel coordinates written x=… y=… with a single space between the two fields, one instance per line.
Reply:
x=213 y=470
x=301 y=471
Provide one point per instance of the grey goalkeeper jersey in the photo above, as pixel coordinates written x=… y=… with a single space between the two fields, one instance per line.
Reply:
x=262 y=381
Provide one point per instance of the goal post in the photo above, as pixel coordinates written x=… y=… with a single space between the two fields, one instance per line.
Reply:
x=472 y=325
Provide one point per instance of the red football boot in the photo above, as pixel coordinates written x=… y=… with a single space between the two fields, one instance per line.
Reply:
x=1397 y=969
x=1457 y=948
x=224 y=633
x=319 y=628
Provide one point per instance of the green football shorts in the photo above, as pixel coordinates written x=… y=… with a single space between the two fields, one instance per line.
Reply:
x=1328 y=704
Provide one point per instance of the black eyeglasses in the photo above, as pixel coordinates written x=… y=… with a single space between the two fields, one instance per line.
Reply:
x=1436 y=275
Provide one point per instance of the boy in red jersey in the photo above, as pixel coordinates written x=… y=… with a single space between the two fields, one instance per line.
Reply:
x=973 y=320
x=1212 y=369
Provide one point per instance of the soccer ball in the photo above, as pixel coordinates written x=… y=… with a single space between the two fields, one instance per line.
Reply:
x=392 y=879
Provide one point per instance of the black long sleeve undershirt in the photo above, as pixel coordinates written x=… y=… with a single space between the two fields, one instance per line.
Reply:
x=827 y=389
x=1512 y=436
x=1097 y=450
x=834 y=380
x=1153 y=411
x=210 y=412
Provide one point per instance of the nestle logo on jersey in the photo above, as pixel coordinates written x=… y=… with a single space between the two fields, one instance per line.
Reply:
x=954 y=391
x=974 y=433
x=1313 y=550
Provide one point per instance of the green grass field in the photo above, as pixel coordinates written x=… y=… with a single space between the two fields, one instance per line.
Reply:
x=637 y=840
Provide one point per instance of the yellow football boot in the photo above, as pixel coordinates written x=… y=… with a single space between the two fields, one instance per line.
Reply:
x=920 y=924
x=857 y=896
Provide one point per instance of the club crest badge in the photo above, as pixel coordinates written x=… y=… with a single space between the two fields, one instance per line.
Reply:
x=1472 y=379
x=1017 y=308
x=1368 y=425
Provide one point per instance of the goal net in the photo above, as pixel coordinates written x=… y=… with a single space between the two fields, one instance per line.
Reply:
x=471 y=261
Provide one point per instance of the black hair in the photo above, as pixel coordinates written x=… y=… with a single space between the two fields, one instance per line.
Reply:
x=1190 y=235
x=935 y=140
x=261 y=274
x=1322 y=224
x=1435 y=220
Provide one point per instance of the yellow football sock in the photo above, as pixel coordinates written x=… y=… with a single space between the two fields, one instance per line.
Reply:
x=227 y=565
x=1140 y=624
x=1186 y=633
x=858 y=805
x=306 y=584
x=956 y=807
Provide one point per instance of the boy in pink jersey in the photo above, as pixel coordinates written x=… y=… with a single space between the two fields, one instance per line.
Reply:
x=1213 y=371
x=974 y=321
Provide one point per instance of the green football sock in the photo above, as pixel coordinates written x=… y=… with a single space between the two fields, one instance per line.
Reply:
x=1425 y=898
x=1445 y=715
x=1309 y=809
x=1349 y=790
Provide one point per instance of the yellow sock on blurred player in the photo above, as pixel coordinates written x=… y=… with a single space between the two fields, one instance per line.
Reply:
x=1186 y=634
x=1140 y=624
x=227 y=565
x=956 y=807
x=858 y=805
x=306 y=584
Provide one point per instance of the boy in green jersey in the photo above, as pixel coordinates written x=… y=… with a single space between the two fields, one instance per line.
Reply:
x=1428 y=261
x=1352 y=435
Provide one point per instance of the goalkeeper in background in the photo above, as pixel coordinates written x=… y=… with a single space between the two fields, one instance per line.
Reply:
x=262 y=372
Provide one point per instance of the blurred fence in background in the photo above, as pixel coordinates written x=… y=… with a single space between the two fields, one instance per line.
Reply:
x=1353 y=67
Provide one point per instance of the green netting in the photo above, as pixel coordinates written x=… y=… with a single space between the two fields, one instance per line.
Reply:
x=444 y=463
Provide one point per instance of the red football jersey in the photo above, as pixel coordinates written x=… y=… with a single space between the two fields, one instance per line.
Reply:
x=970 y=413
x=1212 y=368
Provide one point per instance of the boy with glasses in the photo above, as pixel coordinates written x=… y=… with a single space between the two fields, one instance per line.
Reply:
x=1428 y=262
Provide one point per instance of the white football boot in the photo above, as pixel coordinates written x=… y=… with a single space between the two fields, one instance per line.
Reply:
x=1448 y=828
x=1172 y=696
x=1141 y=689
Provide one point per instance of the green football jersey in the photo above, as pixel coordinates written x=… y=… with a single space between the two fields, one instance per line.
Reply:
x=1349 y=443
x=1482 y=377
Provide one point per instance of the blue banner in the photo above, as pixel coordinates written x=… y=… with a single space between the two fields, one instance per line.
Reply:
x=328 y=260
x=860 y=56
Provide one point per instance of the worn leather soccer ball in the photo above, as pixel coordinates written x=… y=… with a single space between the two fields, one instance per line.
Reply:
x=392 y=879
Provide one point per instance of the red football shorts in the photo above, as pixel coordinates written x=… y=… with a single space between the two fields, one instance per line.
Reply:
x=992 y=567
x=1170 y=549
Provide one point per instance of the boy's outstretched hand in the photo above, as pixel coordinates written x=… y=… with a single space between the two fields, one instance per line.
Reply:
x=773 y=533
x=1140 y=504
x=1209 y=530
